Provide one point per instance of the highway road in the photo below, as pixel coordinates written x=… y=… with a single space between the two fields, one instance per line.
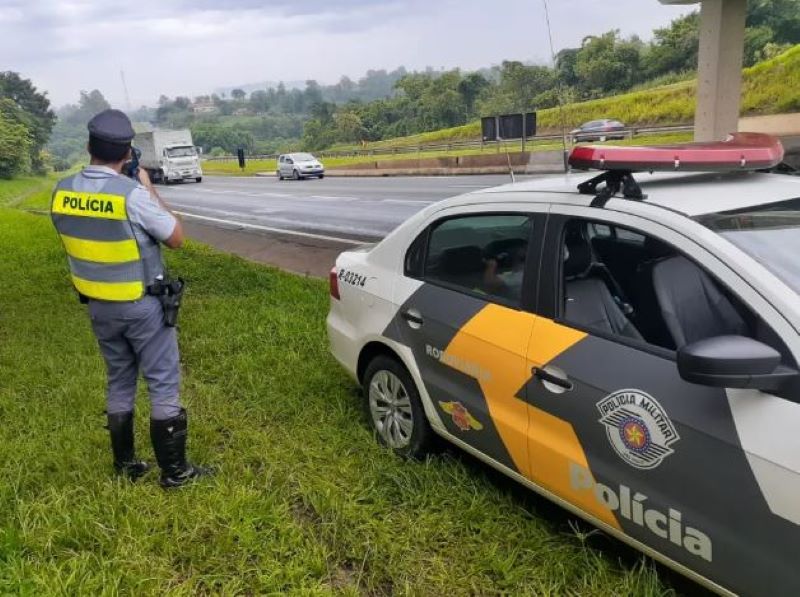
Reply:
x=333 y=209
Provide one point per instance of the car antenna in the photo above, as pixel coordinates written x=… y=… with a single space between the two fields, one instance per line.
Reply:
x=559 y=89
x=510 y=167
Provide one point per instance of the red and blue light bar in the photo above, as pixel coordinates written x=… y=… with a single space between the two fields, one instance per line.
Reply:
x=740 y=151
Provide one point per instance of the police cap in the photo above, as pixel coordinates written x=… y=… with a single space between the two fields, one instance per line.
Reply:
x=112 y=126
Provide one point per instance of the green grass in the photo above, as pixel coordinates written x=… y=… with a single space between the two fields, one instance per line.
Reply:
x=27 y=190
x=304 y=501
x=231 y=168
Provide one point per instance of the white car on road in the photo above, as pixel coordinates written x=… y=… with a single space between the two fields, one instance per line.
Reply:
x=624 y=344
x=299 y=166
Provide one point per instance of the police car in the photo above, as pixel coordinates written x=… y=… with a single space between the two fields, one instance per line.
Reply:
x=624 y=342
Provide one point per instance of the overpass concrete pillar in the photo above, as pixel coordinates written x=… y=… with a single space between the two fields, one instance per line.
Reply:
x=719 y=68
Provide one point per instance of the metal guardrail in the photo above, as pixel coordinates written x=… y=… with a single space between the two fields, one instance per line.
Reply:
x=462 y=144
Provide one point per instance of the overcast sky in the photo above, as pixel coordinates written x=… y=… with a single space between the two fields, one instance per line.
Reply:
x=189 y=47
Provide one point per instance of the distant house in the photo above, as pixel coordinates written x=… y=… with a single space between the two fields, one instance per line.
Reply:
x=203 y=105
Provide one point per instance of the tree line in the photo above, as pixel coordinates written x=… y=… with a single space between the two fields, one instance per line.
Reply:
x=603 y=65
x=26 y=121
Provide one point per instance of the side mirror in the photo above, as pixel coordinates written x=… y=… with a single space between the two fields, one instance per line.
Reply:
x=733 y=362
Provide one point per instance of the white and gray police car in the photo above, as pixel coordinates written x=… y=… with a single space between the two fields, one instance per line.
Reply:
x=623 y=342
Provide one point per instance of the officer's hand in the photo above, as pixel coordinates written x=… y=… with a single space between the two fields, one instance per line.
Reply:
x=144 y=178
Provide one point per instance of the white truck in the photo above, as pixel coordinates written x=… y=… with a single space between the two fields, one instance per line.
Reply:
x=169 y=156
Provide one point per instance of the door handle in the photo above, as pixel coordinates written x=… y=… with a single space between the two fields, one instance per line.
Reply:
x=550 y=378
x=413 y=317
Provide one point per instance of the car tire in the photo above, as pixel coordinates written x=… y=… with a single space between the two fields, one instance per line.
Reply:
x=321 y=176
x=279 y=175
x=199 y=179
x=394 y=409
x=296 y=174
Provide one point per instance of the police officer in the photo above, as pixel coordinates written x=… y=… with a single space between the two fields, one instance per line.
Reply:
x=112 y=227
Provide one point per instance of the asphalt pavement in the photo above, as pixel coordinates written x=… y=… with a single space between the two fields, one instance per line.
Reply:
x=345 y=210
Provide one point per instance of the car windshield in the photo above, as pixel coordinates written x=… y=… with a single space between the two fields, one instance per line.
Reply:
x=770 y=234
x=181 y=152
x=303 y=157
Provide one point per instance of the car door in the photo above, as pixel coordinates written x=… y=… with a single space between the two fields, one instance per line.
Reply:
x=288 y=166
x=616 y=431
x=464 y=314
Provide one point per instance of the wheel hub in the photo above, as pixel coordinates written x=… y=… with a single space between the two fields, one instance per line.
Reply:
x=390 y=408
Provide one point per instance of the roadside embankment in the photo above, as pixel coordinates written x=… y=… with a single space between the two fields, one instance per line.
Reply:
x=304 y=500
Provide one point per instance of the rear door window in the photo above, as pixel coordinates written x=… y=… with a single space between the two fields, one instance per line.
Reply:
x=483 y=255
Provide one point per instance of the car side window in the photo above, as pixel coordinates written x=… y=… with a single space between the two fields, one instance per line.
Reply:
x=626 y=284
x=480 y=254
x=414 y=264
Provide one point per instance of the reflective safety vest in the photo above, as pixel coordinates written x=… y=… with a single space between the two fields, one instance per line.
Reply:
x=106 y=260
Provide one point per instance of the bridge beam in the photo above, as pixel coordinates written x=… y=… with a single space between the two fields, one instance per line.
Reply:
x=719 y=68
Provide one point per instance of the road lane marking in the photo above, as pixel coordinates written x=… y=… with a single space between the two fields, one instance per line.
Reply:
x=407 y=202
x=245 y=193
x=469 y=186
x=336 y=239
x=212 y=210
x=332 y=197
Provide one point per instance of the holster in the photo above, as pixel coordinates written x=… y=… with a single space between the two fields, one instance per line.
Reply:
x=170 y=293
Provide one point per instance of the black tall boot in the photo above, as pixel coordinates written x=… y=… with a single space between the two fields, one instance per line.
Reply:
x=169 y=444
x=120 y=427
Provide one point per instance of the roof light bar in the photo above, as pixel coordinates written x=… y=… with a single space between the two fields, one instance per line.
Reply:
x=740 y=151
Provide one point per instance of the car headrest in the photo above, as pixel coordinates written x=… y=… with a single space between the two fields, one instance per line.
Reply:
x=506 y=245
x=578 y=259
x=462 y=260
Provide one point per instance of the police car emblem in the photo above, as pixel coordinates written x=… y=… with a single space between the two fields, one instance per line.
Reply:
x=638 y=428
x=461 y=416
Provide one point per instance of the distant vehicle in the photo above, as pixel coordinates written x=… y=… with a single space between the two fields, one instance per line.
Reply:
x=169 y=156
x=298 y=166
x=599 y=130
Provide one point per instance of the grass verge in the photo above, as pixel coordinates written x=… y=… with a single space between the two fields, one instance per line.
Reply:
x=304 y=502
x=231 y=168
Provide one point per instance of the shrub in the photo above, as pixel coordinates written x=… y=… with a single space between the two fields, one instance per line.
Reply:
x=15 y=147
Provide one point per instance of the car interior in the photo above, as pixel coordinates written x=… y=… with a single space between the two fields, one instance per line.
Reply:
x=482 y=254
x=624 y=283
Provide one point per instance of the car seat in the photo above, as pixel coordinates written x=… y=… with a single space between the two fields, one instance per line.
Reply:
x=692 y=304
x=588 y=300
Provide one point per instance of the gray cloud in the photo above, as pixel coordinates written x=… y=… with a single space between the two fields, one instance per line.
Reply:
x=190 y=47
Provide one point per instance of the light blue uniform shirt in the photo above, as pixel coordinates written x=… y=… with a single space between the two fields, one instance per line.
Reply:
x=152 y=224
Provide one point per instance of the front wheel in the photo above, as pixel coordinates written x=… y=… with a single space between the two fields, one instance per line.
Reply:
x=199 y=179
x=394 y=409
x=296 y=175
x=321 y=176
x=279 y=175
